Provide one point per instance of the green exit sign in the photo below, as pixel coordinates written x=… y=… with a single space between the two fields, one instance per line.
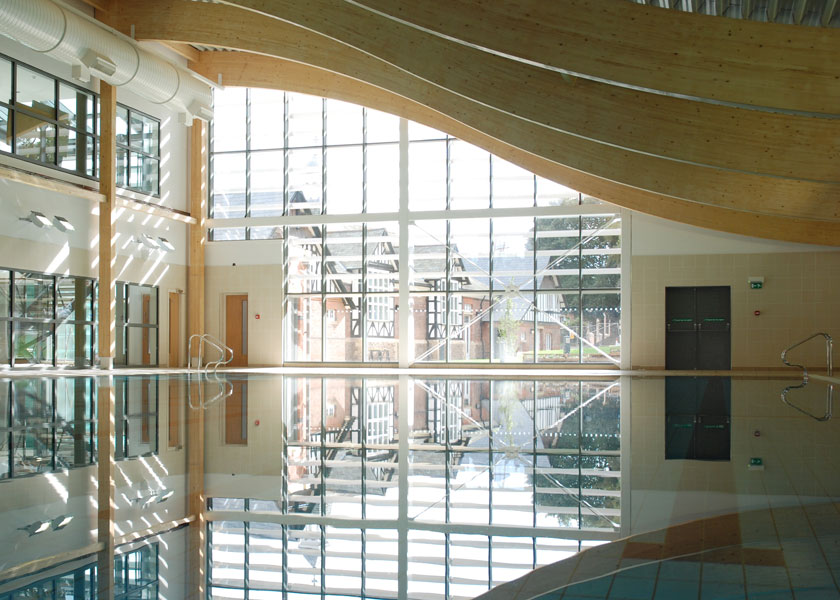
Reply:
x=756 y=285
x=756 y=462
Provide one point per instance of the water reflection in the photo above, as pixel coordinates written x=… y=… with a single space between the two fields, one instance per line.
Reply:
x=448 y=485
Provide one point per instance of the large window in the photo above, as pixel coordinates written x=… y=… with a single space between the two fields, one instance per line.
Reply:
x=46 y=319
x=530 y=274
x=135 y=577
x=56 y=123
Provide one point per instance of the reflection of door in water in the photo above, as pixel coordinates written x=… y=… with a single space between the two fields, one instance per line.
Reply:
x=174 y=329
x=147 y=303
x=236 y=328
x=236 y=414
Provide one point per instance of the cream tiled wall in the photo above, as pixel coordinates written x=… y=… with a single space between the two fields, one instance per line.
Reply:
x=264 y=286
x=799 y=454
x=800 y=296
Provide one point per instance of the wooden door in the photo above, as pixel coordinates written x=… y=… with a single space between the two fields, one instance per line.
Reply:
x=236 y=328
x=174 y=329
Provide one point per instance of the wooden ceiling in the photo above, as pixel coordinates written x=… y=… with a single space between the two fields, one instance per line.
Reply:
x=726 y=124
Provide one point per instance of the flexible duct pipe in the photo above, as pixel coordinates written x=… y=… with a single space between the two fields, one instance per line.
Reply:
x=51 y=29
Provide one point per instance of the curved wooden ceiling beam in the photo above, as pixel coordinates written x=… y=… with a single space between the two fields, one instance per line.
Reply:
x=774 y=144
x=218 y=25
x=269 y=72
x=701 y=56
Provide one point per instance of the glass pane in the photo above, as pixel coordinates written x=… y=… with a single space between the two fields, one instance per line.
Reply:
x=5 y=130
x=558 y=322
x=34 y=139
x=468 y=571
x=122 y=125
x=265 y=555
x=383 y=178
x=143 y=174
x=513 y=186
x=558 y=252
x=417 y=131
x=469 y=254
x=141 y=346
x=5 y=285
x=382 y=257
x=344 y=123
x=550 y=193
x=602 y=326
x=304 y=259
x=513 y=253
x=426 y=555
x=469 y=176
x=122 y=167
x=265 y=233
x=142 y=304
x=75 y=108
x=305 y=181
x=229 y=186
x=33 y=296
x=427 y=247
x=381 y=127
x=74 y=297
x=305 y=322
x=267 y=184
x=227 y=557
x=266 y=119
x=75 y=151
x=305 y=120
x=5 y=339
x=344 y=180
x=36 y=92
x=343 y=258
x=220 y=234
x=6 y=81
x=427 y=176
x=601 y=252
x=74 y=345
x=228 y=132
x=513 y=327
x=343 y=328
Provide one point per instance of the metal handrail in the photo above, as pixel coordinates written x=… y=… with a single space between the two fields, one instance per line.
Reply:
x=209 y=369
x=829 y=394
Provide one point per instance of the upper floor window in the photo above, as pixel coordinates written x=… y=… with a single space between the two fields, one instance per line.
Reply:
x=138 y=151
x=47 y=120
x=56 y=123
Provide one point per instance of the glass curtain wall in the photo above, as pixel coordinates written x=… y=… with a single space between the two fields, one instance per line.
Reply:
x=46 y=319
x=135 y=577
x=531 y=274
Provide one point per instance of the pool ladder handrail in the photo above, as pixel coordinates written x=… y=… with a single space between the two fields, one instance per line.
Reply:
x=829 y=394
x=210 y=369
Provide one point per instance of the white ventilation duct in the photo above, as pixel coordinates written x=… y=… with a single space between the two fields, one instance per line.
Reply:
x=90 y=48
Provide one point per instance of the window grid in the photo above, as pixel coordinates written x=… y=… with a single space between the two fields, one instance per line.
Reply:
x=62 y=142
x=562 y=436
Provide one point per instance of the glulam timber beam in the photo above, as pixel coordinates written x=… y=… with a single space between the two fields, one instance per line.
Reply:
x=700 y=56
x=219 y=25
x=269 y=72
x=725 y=137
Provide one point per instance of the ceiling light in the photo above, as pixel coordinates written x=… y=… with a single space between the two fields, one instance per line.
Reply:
x=166 y=244
x=62 y=224
x=38 y=219
x=61 y=522
x=42 y=527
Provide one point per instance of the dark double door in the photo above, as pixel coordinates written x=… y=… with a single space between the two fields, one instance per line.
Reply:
x=697 y=328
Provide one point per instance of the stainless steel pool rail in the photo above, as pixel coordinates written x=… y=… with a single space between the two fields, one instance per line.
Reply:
x=829 y=394
x=208 y=370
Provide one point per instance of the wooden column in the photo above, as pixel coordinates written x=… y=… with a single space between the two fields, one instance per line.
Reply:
x=198 y=230
x=196 y=501
x=108 y=188
x=105 y=491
